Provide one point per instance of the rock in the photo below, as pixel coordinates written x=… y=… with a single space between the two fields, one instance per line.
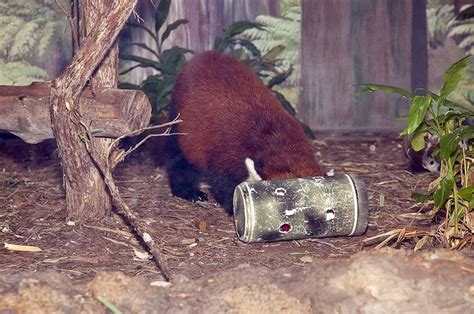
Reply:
x=384 y=281
x=130 y=295
x=46 y=292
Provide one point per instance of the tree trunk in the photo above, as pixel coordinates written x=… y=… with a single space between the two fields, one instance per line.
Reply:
x=106 y=75
x=353 y=42
x=86 y=196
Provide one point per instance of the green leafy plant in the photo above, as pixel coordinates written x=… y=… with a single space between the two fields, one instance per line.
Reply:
x=20 y=73
x=442 y=23
x=438 y=17
x=30 y=30
x=462 y=30
x=284 y=30
x=265 y=65
x=452 y=193
x=166 y=62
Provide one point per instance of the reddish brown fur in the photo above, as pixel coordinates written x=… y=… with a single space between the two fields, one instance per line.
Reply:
x=229 y=114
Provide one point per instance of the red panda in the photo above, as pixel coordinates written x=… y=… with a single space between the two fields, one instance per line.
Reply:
x=423 y=159
x=234 y=129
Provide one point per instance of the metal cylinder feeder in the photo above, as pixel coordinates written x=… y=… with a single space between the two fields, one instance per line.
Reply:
x=300 y=208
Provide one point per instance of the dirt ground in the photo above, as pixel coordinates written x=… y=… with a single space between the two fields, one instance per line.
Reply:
x=197 y=240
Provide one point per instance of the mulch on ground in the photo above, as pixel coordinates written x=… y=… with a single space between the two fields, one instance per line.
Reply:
x=196 y=239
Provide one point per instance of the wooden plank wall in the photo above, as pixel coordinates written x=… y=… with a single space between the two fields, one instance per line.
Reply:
x=207 y=19
x=351 y=42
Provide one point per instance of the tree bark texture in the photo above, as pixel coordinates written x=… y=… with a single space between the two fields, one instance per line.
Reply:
x=24 y=111
x=86 y=197
x=106 y=75
x=353 y=42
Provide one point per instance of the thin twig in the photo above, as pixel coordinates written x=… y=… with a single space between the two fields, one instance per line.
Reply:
x=121 y=207
x=121 y=156
x=137 y=17
x=326 y=243
x=104 y=229
x=139 y=131
x=71 y=24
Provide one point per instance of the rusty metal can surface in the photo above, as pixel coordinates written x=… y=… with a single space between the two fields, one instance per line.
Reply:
x=300 y=208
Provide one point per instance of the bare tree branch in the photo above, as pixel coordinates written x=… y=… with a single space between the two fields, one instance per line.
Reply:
x=121 y=156
x=75 y=38
x=121 y=206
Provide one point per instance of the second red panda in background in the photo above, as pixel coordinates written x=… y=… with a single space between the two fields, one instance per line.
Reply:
x=235 y=131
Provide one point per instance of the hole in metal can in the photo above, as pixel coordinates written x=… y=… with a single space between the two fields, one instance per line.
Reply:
x=330 y=215
x=285 y=228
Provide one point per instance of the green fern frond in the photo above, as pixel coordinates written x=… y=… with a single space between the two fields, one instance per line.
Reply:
x=293 y=15
x=284 y=30
x=437 y=3
x=25 y=41
x=467 y=42
x=438 y=19
x=287 y=5
x=463 y=32
x=47 y=38
x=30 y=29
x=9 y=26
x=20 y=73
x=465 y=28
